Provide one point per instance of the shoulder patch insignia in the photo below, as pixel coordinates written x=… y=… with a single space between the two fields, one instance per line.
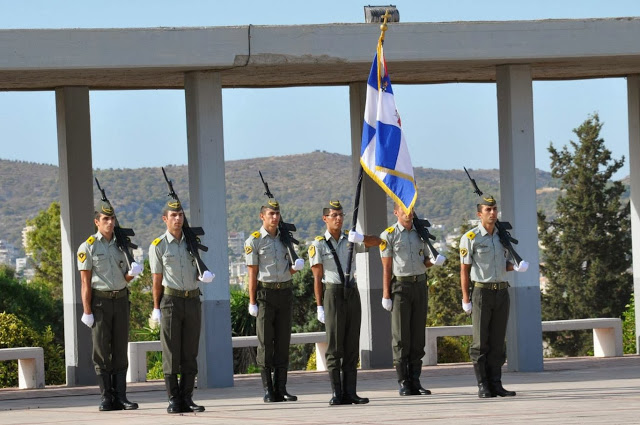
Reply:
x=319 y=238
x=156 y=241
x=383 y=245
x=91 y=240
x=82 y=257
x=463 y=252
x=470 y=235
x=256 y=234
x=390 y=229
x=312 y=251
x=247 y=249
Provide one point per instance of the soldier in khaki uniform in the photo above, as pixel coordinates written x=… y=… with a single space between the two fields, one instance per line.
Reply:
x=270 y=300
x=176 y=304
x=405 y=259
x=105 y=299
x=339 y=307
x=483 y=260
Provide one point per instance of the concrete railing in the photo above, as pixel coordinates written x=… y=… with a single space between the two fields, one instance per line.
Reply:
x=30 y=365
x=607 y=336
x=137 y=351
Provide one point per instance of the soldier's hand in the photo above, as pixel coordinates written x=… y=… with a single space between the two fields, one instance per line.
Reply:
x=136 y=269
x=298 y=265
x=355 y=237
x=253 y=309
x=439 y=260
x=387 y=304
x=320 y=314
x=206 y=277
x=522 y=267
x=156 y=314
x=87 y=319
x=467 y=307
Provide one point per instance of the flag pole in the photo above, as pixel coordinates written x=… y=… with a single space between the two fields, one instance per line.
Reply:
x=356 y=206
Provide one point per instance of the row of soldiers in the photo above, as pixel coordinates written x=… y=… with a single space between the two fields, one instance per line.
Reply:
x=405 y=257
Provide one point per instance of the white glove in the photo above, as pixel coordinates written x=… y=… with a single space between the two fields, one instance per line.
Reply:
x=136 y=269
x=206 y=277
x=87 y=319
x=156 y=314
x=467 y=307
x=320 y=314
x=387 y=304
x=253 y=309
x=439 y=260
x=355 y=237
x=298 y=265
x=522 y=267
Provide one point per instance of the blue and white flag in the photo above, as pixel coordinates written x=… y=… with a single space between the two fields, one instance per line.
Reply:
x=384 y=155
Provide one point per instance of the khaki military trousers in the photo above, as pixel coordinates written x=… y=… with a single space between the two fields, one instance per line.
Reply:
x=180 y=334
x=273 y=327
x=342 y=323
x=110 y=334
x=408 y=320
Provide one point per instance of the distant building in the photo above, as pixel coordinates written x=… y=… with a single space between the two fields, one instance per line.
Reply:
x=26 y=230
x=24 y=269
x=237 y=273
x=235 y=241
x=8 y=253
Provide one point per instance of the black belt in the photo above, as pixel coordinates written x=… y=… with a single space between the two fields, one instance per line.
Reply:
x=110 y=294
x=414 y=279
x=192 y=293
x=496 y=286
x=336 y=286
x=276 y=285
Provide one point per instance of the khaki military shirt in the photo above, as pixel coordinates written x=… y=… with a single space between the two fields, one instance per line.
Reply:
x=406 y=248
x=106 y=262
x=319 y=253
x=485 y=253
x=169 y=256
x=269 y=254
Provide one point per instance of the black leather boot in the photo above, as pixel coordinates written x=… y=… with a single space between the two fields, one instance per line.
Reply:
x=280 y=384
x=187 y=383
x=106 y=400
x=403 y=378
x=119 y=385
x=414 y=374
x=498 y=390
x=267 y=383
x=483 y=384
x=336 y=387
x=173 y=391
x=349 y=381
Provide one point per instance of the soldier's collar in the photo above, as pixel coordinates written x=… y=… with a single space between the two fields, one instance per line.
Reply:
x=264 y=233
x=483 y=231
x=327 y=235
x=171 y=238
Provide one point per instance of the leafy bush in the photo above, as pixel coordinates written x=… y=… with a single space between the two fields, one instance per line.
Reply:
x=629 y=327
x=16 y=333
x=453 y=349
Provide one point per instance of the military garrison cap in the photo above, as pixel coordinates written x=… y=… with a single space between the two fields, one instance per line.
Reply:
x=105 y=208
x=272 y=204
x=331 y=205
x=488 y=200
x=172 y=205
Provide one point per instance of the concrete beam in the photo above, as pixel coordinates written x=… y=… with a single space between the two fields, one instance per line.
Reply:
x=633 y=99
x=207 y=208
x=76 y=223
x=518 y=206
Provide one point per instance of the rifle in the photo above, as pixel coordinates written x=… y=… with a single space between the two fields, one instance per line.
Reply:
x=422 y=225
x=190 y=233
x=121 y=234
x=503 y=228
x=286 y=229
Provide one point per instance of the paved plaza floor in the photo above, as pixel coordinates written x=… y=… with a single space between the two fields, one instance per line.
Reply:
x=568 y=391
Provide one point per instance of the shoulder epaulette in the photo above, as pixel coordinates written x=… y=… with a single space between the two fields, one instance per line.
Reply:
x=470 y=235
x=319 y=238
x=91 y=240
x=256 y=234
x=390 y=229
x=346 y=232
x=156 y=241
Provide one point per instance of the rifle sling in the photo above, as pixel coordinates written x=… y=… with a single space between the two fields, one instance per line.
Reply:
x=337 y=260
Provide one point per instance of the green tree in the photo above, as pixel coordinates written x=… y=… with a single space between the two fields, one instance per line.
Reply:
x=629 y=327
x=587 y=247
x=141 y=302
x=44 y=244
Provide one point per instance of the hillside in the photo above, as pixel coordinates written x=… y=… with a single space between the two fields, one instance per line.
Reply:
x=302 y=183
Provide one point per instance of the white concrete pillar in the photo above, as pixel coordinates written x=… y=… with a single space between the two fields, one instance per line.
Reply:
x=375 y=332
x=633 y=100
x=518 y=206
x=203 y=92
x=76 y=223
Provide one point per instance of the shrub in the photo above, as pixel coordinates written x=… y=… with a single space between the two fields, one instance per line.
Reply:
x=629 y=327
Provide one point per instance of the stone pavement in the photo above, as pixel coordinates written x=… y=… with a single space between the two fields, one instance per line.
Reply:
x=569 y=391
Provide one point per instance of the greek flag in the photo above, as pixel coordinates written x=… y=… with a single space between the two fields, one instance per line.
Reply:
x=384 y=155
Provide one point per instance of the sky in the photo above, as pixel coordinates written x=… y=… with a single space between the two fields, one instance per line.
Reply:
x=447 y=126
